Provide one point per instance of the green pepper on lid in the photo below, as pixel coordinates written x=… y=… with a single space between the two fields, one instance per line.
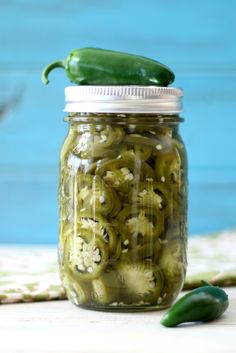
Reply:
x=93 y=66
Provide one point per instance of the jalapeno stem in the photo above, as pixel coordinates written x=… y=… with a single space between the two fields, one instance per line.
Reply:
x=49 y=68
x=205 y=283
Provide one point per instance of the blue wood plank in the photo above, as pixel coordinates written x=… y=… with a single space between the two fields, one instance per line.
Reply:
x=197 y=39
x=28 y=209
x=187 y=35
x=212 y=206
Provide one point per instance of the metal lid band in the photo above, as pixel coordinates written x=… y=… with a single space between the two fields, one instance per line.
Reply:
x=123 y=99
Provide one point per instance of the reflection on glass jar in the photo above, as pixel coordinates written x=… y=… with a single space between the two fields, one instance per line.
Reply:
x=123 y=204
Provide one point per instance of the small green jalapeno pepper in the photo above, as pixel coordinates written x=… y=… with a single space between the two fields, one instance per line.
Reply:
x=93 y=66
x=203 y=304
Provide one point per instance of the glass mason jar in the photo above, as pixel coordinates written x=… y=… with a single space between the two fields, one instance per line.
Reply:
x=123 y=198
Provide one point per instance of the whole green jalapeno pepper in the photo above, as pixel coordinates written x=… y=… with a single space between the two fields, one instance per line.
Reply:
x=93 y=66
x=203 y=304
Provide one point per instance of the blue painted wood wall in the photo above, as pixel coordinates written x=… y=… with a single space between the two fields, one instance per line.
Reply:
x=195 y=38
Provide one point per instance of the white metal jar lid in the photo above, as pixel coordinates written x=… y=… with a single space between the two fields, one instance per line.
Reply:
x=123 y=99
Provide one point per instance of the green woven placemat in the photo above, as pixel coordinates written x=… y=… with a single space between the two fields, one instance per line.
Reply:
x=31 y=273
x=212 y=258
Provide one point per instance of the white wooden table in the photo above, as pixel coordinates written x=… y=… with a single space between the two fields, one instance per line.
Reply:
x=61 y=327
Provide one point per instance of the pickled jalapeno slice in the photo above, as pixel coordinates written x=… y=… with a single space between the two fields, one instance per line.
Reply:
x=139 y=252
x=136 y=152
x=117 y=205
x=139 y=225
x=172 y=262
x=100 y=228
x=94 y=194
x=108 y=136
x=168 y=166
x=106 y=288
x=150 y=194
x=119 y=174
x=140 y=281
x=93 y=143
x=141 y=140
x=86 y=255
x=79 y=292
x=147 y=172
x=134 y=148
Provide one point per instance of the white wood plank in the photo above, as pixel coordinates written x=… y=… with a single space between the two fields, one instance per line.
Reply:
x=60 y=327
